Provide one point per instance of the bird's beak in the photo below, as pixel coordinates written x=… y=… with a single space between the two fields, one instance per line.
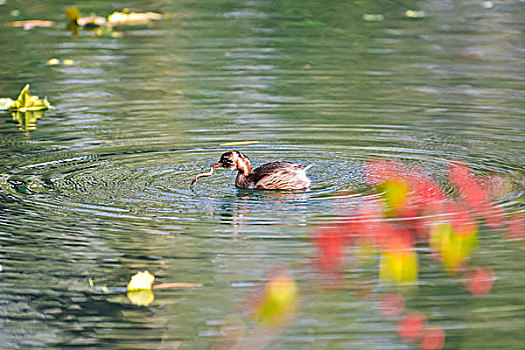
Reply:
x=218 y=165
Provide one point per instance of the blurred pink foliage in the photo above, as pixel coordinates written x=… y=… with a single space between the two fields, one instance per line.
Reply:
x=409 y=208
x=406 y=208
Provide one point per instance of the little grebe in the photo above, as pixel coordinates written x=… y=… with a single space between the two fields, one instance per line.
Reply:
x=270 y=176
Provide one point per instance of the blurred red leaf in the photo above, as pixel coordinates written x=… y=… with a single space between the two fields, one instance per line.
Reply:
x=479 y=281
x=330 y=243
x=494 y=215
x=462 y=222
x=516 y=227
x=433 y=339
x=411 y=327
x=465 y=180
x=391 y=304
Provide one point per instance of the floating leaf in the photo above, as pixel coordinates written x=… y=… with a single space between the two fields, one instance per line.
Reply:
x=53 y=61
x=141 y=281
x=177 y=285
x=133 y=18
x=415 y=14
x=30 y=24
x=90 y=22
x=239 y=143
x=72 y=13
x=369 y=17
x=6 y=103
x=487 y=5
x=141 y=297
x=27 y=102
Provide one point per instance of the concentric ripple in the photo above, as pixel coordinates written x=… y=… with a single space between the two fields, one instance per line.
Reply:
x=155 y=185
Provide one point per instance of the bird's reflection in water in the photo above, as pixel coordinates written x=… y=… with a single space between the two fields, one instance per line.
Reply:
x=250 y=207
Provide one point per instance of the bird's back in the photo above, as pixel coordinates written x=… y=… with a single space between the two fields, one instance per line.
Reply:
x=279 y=176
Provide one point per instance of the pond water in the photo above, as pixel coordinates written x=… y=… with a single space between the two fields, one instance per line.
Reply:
x=98 y=187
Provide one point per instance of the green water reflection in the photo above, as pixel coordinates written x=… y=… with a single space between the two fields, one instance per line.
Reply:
x=98 y=186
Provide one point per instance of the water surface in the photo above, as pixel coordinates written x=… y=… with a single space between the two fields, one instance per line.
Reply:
x=98 y=186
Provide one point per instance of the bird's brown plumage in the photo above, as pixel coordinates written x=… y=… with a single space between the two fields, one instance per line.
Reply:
x=277 y=175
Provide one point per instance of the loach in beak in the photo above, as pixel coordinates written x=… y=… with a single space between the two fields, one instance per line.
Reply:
x=210 y=173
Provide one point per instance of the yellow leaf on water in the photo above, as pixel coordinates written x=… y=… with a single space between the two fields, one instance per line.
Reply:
x=72 y=13
x=29 y=103
x=53 y=61
x=133 y=18
x=90 y=22
x=6 y=103
x=239 y=143
x=27 y=120
x=415 y=14
x=141 y=281
x=141 y=297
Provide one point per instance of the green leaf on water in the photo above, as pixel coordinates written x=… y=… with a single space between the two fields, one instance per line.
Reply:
x=25 y=102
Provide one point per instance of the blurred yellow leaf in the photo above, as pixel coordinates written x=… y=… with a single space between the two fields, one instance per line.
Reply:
x=27 y=120
x=141 y=281
x=239 y=143
x=279 y=299
x=394 y=193
x=141 y=297
x=72 y=13
x=90 y=22
x=133 y=18
x=399 y=265
x=453 y=248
